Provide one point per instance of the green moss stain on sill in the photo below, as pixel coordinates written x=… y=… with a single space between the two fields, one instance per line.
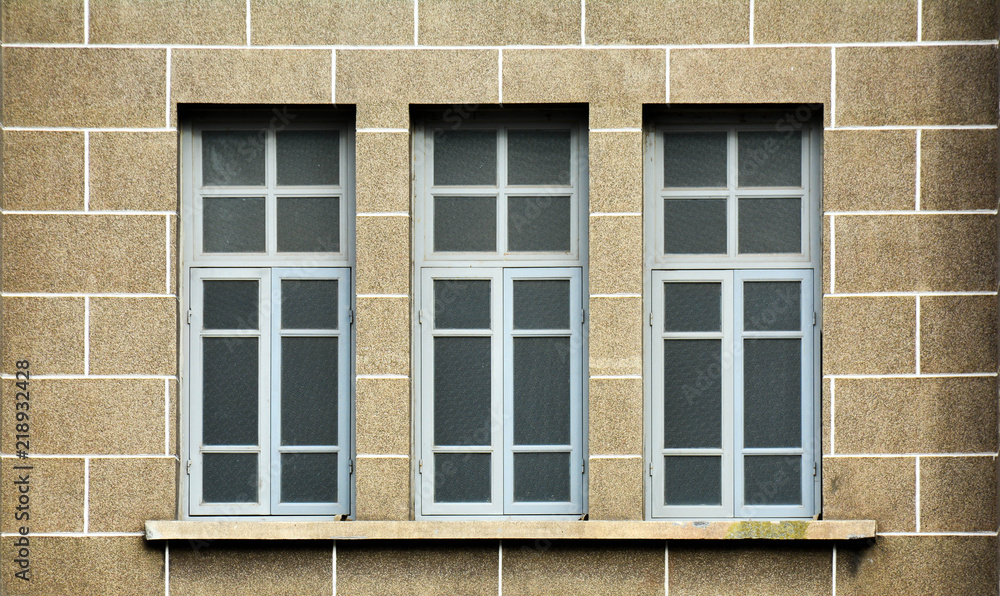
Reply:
x=785 y=530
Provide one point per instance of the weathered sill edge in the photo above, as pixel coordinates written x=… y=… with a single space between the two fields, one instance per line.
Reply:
x=510 y=530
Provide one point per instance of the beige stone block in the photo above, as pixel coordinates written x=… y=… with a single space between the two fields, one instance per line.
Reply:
x=878 y=488
x=885 y=253
x=916 y=415
x=969 y=19
x=383 y=172
x=958 y=334
x=212 y=22
x=616 y=255
x=220 y=568
x=615 y=336
x=869 y=334
x=615 y=82
x=91 y=416
x=958 y=169
x=916 y=85
x=701 y=567
x=958 y=494
x=616 y=488
x=382 y=486
x=124 y=493
x=43 y=170
x=839 y=21
x=383 y=246
x=615 y=172
x=869 y=170
x=174 y=258
x=383 y=336
x=173 y=426
x=133 y=171
x=383 y=83
x=120 y=565
x=336 y=22
x=417 y=567
x=83 y=253
x=133 y=336
x=53 y=21
x=383 y=416
x=93 y=87
x=583 y=567
x=47 y=332
x=54 y=498
x=827 y=404
x=499 y=22
x=658 y=22
x=827 y=241
x=917 y=565
x=615 y=416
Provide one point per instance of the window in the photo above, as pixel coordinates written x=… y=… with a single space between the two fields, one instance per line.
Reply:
x=267 y=256
x=734 y=292
x=500 y=249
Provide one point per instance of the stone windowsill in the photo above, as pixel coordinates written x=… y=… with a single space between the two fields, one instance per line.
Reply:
x=512 y=530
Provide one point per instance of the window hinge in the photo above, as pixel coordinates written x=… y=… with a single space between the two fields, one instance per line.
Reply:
x=420 y=317
x=189 y=317
x=350 y=463
x=814 y=318
x=188 y=468
x=583 y=466
x=815 y=468
x=650 y=468
x=350 y=316
x=420 y=467
x=583 y=316
x=650 y=319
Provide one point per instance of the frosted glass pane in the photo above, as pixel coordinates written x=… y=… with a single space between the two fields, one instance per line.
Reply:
x=309 y=303
x=465 y=224
x=309 y=389
x=233 y=225
x=538 y=157
x=694 y=480
x=465 y=158
x=541 y=390
x=770 y=158
x=229 y=390
x=230 y=304
x=770 y=225
x=694 y=226
x=308 y=477
x=232 y=158
x=692 y=306
x=538 y=224
x=541 y=477
x=694 y=159
x=542 y=304
x=309 y=225
x=692 y=393
x=773 y=480
x=229 y=478
x=462 y=390
x=308 y=157
x=461 y=304
x=772 y=392
x=772 y=306
x=462 y=478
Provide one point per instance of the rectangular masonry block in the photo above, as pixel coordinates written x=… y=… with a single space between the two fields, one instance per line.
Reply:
x=383 y=416
x=382 y=172
x=583 y=567
x=616 y=255
x=958 y=169
x=332 y=22
x=417 y=567
x=224 y=568
x=869 y=170
x=958 y=334
x=54 y=21
x=382 y=485
x=43 y=170
x=878 y=488
x=216 y=22
x=970 y=19
x=615 y=172
x=657 y=22
x=133 y=171
x=869 y=335
x=825 y=411
x=500 y=22
x=47 y=332
x=133 y=336
x=125 y=492
x=615 y=336
x=45 y=497
x=383 y=247
x=958 y=494
x=383 y=336
x=615 y=417
x=839 y=21
x=772 y=569
x=616 y=488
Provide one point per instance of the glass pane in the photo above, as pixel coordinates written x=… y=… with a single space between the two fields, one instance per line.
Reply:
x=233 y=224
x=538 y=224
x=465 y=158
x=770 y=158
x=465 y=224
x=542 y=304
x=772 y=306
x=309 y=303
x=694 y=480
x=694 y=226
x=461 y=304
x=230 y=304
x=692 y=393
x=692 y=306
x=309 y=224
x=541 y=477
x=770 y=225
x=232 y=158
x=694 y=159
x=309 y=390
x=308 y=477
x=772 y=392
x=229 y=478
x=308 y=157
x=230 y=392
x=773 y=480
x=462 y=390
x=462 y=478
x=538 y=157
x=541 y=390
